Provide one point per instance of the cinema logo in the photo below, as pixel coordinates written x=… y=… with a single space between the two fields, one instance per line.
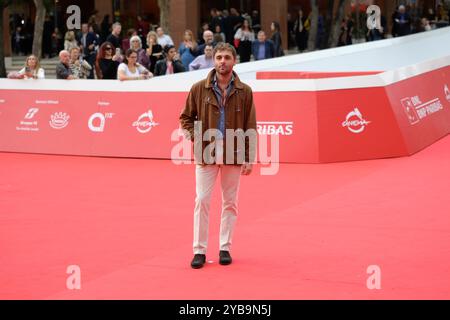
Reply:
x=279 y=128
x=28 y=123
x=145 y=122
x=355 y=121
x=416 y=110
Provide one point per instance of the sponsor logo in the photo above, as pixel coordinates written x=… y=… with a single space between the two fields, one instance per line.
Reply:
x=96 y=122
x=355 y=122
x=145 y=122
x=27 y=124
x=31 y=113
x=282 y=128
x=416 y=110
x=447 y=93
x=59 y=120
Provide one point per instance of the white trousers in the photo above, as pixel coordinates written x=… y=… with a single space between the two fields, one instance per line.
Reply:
x=205 y=177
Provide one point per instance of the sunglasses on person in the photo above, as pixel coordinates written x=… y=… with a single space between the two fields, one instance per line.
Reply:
x=108 y=48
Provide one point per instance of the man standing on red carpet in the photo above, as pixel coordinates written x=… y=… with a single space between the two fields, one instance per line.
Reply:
x=219 y=117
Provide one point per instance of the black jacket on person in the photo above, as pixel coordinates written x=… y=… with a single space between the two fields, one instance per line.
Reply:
x=278 y=48
x=116 y=41
x=91 y=38
x=161 y=67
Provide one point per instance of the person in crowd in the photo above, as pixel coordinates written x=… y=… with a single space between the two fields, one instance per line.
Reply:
x=345 y=37
x=88 y=41
x=63 y=70
x=188 y=49
x=114 y=37
x=262 y=48
x=92 y=22
x=290 y=30
x=301 y=32
x=219 y=36
x=104 y=28
x=200 y=40
x=204 y=61
x=244 y=36
x=31 y=70
x=69 y=40
x=142 y=27
x=402 y=22
x=425 y=25
x=131 y=70
x=80 y=67
x=57 y=43
x=171 y=64
x=154 y=51
x=18 y=38
x=126 y=42
x=107 y=62
x=256 y=21
x=163 y=39
x=143 y=59
x=235 y=21
x=215 y=19
x=208 y=38
x=276 y=39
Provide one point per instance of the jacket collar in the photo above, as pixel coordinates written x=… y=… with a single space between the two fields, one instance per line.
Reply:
x=212 y=73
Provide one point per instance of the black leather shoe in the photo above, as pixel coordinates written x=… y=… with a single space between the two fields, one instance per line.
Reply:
x=224 y=258
x=198 y=261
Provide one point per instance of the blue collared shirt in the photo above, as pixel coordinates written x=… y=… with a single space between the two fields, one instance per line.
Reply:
x=222 y=100
x=262 y=51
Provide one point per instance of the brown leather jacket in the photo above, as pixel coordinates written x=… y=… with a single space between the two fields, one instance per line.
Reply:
x=202 y=105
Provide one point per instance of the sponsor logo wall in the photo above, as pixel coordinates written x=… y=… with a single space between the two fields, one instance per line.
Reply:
x=312 y=127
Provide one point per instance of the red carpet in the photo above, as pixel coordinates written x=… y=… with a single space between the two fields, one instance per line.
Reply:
x=310 y=232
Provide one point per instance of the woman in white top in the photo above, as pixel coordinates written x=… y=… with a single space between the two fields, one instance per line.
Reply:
x=131 y=70
x=70 y=41
x=32 y=70
x=245 y=36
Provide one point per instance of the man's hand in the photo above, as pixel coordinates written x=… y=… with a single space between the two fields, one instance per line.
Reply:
x=246 y=169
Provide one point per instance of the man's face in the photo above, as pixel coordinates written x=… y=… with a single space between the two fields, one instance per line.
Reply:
x=65 y=57
x=117 y=30
x=261 y=36
x=171 y=54
x=208 y=52
x=160 y=32
x=84 y=28
x=224 y=62
x=208 y=36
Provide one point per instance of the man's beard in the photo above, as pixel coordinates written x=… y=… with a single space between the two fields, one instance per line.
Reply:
x=223 y=72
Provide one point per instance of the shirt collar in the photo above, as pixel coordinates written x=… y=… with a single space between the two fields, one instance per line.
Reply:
x=214 y=80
